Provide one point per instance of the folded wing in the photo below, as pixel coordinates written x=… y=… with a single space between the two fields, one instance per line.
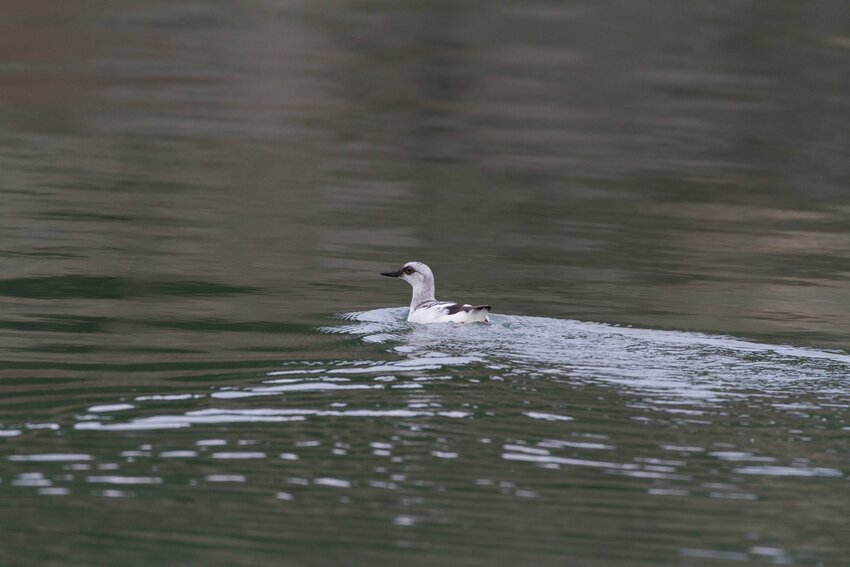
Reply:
x=453 y=308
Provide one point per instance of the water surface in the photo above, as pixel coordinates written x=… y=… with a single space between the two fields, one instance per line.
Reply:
x=200 y=365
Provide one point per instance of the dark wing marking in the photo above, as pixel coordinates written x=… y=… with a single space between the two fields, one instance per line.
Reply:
x=457 y=307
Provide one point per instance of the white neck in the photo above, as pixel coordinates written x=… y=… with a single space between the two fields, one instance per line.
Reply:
x=422 y=291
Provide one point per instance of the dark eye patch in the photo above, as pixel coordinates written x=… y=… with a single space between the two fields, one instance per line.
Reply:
x=408 y=270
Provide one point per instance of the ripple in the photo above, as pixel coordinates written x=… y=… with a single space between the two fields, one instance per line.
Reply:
x=113 y=479
x=670 y=365
x=567 y=461
x=110 y=407
x=51 y=457
x=239 y=455
x=265 y=415
x=547 y=416
x=539 y=404
x=109 y=287
x=225 y=478
x=790 y=471
x=334 y=482
x=305 y=387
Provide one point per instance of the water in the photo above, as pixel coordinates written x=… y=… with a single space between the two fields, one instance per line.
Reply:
x=200 y=364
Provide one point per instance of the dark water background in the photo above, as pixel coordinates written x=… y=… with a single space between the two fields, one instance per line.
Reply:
x=192 y=192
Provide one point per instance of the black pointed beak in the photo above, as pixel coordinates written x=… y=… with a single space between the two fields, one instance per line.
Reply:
x=396 y=274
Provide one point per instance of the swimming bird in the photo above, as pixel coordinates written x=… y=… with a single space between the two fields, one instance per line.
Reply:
x=425 y=309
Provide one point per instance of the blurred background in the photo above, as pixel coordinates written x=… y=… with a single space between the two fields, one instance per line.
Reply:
x=188 y=189
x=673 y=165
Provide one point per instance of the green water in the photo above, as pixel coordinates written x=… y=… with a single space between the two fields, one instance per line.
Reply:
x=200 y=365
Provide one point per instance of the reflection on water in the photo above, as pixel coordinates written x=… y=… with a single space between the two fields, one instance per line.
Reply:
x=191 y=190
